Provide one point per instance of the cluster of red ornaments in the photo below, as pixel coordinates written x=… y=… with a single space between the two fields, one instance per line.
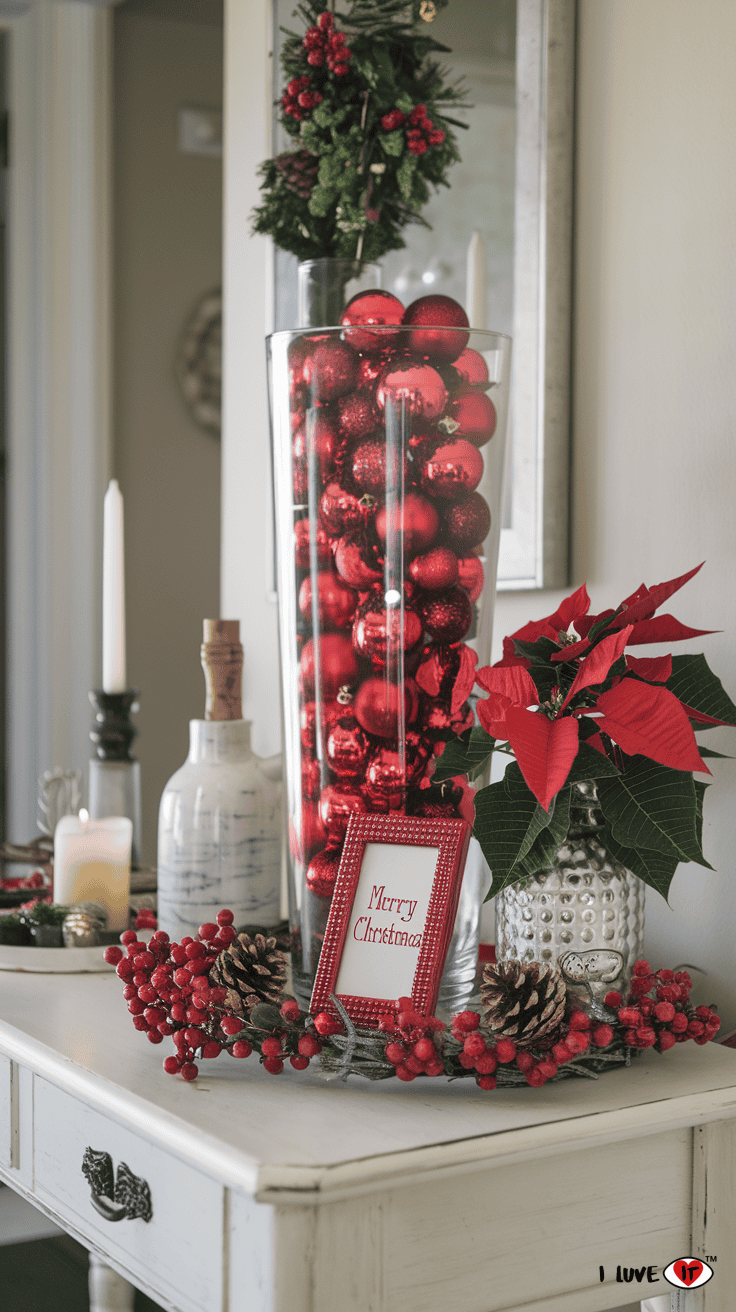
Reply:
x=359 y=494
x=658 y=1014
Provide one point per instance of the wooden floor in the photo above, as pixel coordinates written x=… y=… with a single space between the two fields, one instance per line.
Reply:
x=50 y=1275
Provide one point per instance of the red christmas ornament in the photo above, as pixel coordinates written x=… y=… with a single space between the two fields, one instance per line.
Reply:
x=337 y=664
x=467 y=523
x=472 y=368
x=301 y=544
x=386 y=779
x=322 y=871
x=329 y=371
x=339 y=510
x=476 y=415
x=298 y=352
x=308 y=835
x=370 y=368
x=430 y=315
x=452 y=470
x=377 y=629
x=416 y=518
x=336 y=805
x=377 y=706
x=335 y=601
x=369 y=467
x=415 y=384
x=301 y=482
x=357 y=563
x=347 y=749
x=311 y=779
x=472 y=576
x=325 y=440
x=332 y=711
x=357 y=416
x=435 y=571
x=366 y=310
x=447 y=615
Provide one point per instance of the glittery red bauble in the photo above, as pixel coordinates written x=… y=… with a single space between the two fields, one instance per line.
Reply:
x=476 y=415
x=325 y=440
x=306 y=837
x=322 y=871
x=301 y=482
x=335 y=601
x=377 y=706
x=452 y=470
x=438 y=716
x=367 y=309
x=447 y=615
x=472 y=576
x=429 y=315
x=332 y=711
x=370 y=369
x=298 y=352
x=339 y=510
x=338 y=666
x=311 y=779
x=369 y=468
x=471 y=367
x=329 y=371
x=467 y=523
x=347 y=749
x=357 y=416
x=357 y=563
x=301 y=544
x=417 y=385
x=435 y=571
x=336 y=805
x=377 y=629
x=416 y=518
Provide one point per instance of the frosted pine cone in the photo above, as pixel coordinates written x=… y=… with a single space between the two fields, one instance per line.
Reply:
x=523 y=1000
x=252 y=970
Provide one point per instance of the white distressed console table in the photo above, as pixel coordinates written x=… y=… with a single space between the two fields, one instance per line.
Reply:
x=286 y=1194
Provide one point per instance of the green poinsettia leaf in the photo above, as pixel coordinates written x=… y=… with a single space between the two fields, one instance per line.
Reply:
x=700 y=787
x=590 y=764
x=537 y=652
x=708 y=751
x=543 y=851
x=655 y=868
x=651 y=806
x=693 y=681
x=501 y=826
x=469 y=754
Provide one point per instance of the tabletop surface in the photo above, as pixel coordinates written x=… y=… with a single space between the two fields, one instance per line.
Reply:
x=296 y=1132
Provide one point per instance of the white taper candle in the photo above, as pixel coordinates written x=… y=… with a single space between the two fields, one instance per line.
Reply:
x=114 y=677
x=477 y=281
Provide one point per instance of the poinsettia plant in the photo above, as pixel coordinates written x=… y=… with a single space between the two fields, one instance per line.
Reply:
x=570 y=703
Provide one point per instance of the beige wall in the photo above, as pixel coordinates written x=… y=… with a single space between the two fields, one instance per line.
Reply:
x=167 y=253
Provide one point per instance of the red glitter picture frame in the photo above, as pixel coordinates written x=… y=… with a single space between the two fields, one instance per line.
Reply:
x=451 y=838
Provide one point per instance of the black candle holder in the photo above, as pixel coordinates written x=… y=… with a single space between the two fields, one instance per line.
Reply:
x=113 y=731
x=115 y=775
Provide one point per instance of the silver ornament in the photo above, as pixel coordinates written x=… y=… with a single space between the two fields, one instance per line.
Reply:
x=83 y=925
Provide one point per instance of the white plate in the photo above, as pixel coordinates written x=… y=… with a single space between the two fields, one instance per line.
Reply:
x=52 y=961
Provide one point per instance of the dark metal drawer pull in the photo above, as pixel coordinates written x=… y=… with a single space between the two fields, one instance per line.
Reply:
x=123 y=1196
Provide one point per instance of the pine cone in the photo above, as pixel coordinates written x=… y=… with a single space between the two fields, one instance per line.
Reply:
x=299 y=171
x=524 y=1001
x=252 y=970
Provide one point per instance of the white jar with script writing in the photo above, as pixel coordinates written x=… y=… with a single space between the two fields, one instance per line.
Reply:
x=92 y=864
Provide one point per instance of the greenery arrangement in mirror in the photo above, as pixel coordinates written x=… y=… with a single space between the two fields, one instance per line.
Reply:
x=366 y=103
x=569 y=703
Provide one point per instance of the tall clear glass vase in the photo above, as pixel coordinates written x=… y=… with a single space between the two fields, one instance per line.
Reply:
x=388 y=462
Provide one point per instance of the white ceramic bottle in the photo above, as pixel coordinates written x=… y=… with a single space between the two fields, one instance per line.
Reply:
x=219 y=831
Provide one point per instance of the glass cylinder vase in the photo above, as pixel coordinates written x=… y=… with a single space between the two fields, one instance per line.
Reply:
x=388 y=464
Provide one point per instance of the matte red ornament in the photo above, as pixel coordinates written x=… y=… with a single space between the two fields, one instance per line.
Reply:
x=416 y=518
x=336 y=805
x=332 y=711
x=338 y=666
x=471 y=367
x=447 y=615
x=322 y=871
x=370 y=468
x=467 y=523
x=357 y=563
x=415 y=384
x=430 y=315
x=329 y=371
x=336 y=602
x=452 y=470
x=357 y=416
x=377 y=629
x=366 y=310
x=320 y=429
x=472 y=576
x=301 y=544
x=347 y=749
x=377 y=706
x=436 y=570
x=340 y=511
x=476 y=415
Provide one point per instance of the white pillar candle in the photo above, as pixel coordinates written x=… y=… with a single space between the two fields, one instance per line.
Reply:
x=477 y=281
x=92 y=864
x=114 y=677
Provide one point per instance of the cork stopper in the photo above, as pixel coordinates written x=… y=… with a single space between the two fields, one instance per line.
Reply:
x=222 y=662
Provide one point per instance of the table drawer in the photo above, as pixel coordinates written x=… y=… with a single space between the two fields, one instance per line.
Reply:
x=175 y=1241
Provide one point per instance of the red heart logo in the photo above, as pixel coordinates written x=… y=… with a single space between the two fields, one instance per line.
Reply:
x=688 y=1271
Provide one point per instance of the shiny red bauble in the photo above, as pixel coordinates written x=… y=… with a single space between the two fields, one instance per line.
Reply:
x=447 y=615
x=336 y=805
x=378 y=634
x=329 y=370
x=378 y=705
x=340 y=510
x=452 y=470
x=357 y=416
x=416 y=518
x=347 y=748
x=311 y=779
x=467 y=523
x=471 y=367
x=322 y=871
x=472 y=576
x=336 y=602
x=476 y=415
x=357 y=563
x=332 y=711
x=338 y=666
x=302 y=549
x=428 y=317
x=385 y=779
x=414 y=386
x=374 y=465
x=368 y=319
x=319 y=430
x=307 y=834
x=436 y=570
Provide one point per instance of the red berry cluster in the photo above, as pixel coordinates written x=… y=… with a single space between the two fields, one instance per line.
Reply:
x=298 y=99
x=657 y=1012
x=412 y=1049
x=421 y=131
x=483 y=1054
x=146 y=919
x=326 y=46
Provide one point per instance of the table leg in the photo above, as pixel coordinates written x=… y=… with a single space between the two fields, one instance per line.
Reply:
x=108 y=1292
x=714 y=1207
